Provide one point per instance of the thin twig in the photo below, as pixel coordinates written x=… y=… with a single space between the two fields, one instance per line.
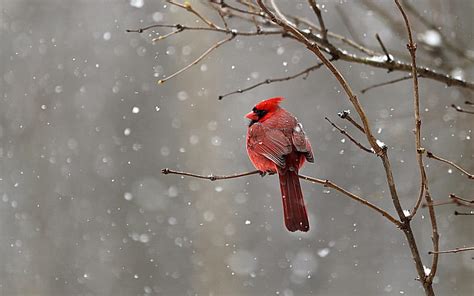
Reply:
x=317 y=11
x=189 y=8
x=426 y=280
x=221 y=15
x=220 y=30
x=411 y=46
x=457 y=250
x=453 y=199
x=386 y=83
x=342 y=131
x=456 y=213
x=460 y=109
x=459 y=168
x=341 y=38
x=346 y=114
x=211 y=177
x=272 y=80
x=330 y=184
x=389 y=57
x=326 y=183
x=167 y=35
x=226 y=5
x=200 y=58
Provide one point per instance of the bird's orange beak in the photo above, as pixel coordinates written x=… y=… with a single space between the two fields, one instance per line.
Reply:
x=252 y=116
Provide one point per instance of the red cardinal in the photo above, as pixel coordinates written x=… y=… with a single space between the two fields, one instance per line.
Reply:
x=276 y=143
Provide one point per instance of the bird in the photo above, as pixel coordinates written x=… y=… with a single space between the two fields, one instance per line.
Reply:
x=277 y=143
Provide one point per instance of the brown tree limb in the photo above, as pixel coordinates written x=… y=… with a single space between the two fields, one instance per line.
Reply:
x=363 y=91
x=389 y=57
x=457 y=250
x=459 y=168
x=411 y=46
x=211 y=177
x=426 y=280
x=342 y=131
x=453 y=199
x=219 y=30
x=346 y=114
x=460 y=109
x=200 y=58
x=326 y=183
x=189 y=8
x=272 y=80
x=317 y=12
x=456 y=213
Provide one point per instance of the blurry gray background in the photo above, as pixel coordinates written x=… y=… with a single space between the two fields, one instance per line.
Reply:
x=85 y=131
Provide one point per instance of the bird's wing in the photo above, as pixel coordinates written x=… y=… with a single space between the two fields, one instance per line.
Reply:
x=301 y=142
x=270 y=143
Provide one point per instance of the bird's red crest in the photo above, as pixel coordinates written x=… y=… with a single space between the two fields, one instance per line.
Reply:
x=270 y=104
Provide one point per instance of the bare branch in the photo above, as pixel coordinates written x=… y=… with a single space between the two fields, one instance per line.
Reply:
x=326 y=183
x=189 y=8
x=219 y=30
x=211 y=177
x=453 y=199
x=427 y=281
x=460 y=109
x=167 y=35
x=460 y=199
x=471 y=213
x=226 y=5
x=200 y=58
x=343 y=39
x=457 y=250
x=272 y=80
x=416 y=106
x=221 y=14
x=349 y=137
x=346 y=114
x=406 y=67
x=386 y=83
x=389 y=57
x=330 y=184
x=459 y=168
x=317 y=11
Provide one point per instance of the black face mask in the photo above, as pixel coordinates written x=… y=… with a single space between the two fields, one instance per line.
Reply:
x=259 y=113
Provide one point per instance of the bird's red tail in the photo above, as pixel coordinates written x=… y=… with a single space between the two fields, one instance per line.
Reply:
x=294 y=209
